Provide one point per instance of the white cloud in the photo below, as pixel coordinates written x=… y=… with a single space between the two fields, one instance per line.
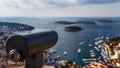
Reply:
x=59 y=8
x=88 y=10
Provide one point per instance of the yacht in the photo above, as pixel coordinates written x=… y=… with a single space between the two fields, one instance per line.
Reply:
x=90 y=45
x=79 y=50
x=65 y=53
x=81 y=43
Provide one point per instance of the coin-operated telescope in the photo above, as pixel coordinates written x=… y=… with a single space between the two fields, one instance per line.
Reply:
x=30 y=47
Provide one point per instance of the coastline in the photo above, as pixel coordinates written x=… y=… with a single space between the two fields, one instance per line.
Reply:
x=109 y=52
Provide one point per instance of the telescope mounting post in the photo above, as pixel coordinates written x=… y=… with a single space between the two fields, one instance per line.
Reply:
x=35 y=61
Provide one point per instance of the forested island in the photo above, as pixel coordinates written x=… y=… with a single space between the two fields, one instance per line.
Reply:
x=78 y=22
x=15 y=26
x=86 y=22
x=106 y=21
x=72 y=28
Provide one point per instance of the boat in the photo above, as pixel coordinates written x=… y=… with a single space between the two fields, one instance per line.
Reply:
x=102 y=37
x=96 y=38
x=89 y=59
x=91 y=50
x=96 y=48
x=81 y=43
x=58 y=57
x=92 y=55
x=107 y=38
x=65 y=53
x=79 y=50
x=52 y=51
x=98 y=42
x=90 y=45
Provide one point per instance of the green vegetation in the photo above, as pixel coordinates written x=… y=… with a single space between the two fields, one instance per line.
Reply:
x=86 y=22
x=65 y=66
x=15 y=26
x=64 y=22
x=113 y=42
x=107 y=21
x=78 y=22
x=72 y=28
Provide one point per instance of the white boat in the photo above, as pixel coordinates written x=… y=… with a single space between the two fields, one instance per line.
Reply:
x=65 y=53
x=81 y=43
x=102 y=37
x=98 y=42
x=91 y=50
x=89 y=59
x=58 y=57
x=79 y=50
x=96 y=48
x=52 y=51
x=107 y=38
x=92 y=55
x=90 y=45
x=96 y=38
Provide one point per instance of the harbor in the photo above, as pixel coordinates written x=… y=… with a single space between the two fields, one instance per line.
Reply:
x=82 y=49
x=52 y=59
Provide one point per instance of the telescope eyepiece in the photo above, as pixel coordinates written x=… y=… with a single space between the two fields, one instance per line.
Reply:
x=15 y=55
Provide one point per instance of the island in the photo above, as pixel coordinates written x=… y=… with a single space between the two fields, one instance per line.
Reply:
x=78 y=22
x=64 y=22
x=86 y=22
x=72 y=28
x=106 y=21
x=15 y=26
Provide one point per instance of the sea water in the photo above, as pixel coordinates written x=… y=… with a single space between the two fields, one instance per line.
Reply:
x=70 y=41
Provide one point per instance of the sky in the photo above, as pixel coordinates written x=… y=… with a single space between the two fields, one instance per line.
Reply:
x=60 y=8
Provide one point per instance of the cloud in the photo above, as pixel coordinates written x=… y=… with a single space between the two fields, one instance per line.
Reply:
x=51 y=3
x=72 y=3
x=58 y=3
x=59 y=7
x=99 y=1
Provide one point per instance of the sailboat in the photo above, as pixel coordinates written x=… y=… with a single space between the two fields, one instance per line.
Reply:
x=79 y=51
x=65 y=53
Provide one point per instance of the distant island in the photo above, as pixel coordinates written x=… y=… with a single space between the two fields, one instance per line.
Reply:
x=72 y=28
x=106 y=21
x=86 y=22
x=78 y=22
x=15 y=26
x=63 y=22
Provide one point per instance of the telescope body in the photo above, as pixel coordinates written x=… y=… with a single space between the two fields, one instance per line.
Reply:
x=31 y=44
